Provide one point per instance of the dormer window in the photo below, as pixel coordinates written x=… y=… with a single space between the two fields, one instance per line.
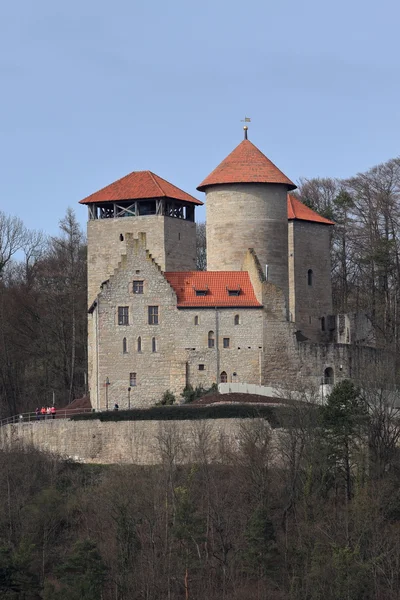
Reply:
x=233 y=291
x=201 y=291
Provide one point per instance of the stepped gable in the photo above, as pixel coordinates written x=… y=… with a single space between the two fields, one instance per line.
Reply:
x=139 y=185
x=299 y=211
x=203 y=289
x=246 y=164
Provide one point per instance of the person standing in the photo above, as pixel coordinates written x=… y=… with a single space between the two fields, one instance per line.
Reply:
x=43 y=412
x=37 y=413
x=53 y=412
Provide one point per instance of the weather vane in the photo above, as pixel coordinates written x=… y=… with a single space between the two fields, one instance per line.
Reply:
x=245 y=128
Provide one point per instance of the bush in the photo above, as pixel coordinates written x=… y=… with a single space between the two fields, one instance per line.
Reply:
x=190 y=394
x=168 y=399
x=276 y=416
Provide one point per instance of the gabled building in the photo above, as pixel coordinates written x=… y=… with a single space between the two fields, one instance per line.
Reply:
x=261 y=313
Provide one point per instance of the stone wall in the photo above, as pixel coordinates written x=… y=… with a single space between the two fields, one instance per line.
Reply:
x=243 y=216
x=309 y=250
x=181 y=353
x=133 y=442
x=172 y=243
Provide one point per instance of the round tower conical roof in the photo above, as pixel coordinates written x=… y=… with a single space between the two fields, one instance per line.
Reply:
x=246 y=164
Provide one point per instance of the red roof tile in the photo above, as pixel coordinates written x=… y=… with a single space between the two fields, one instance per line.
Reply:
x=298 y=210
x=137 y=186
x=246 y=164
x=217 y=284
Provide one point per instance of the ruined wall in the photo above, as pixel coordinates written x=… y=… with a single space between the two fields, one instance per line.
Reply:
x=131 y=442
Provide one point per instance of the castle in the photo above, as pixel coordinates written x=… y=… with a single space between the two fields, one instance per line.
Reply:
x=260 y=314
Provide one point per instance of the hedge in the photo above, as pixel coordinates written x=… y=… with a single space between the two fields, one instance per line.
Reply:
x=274 y=414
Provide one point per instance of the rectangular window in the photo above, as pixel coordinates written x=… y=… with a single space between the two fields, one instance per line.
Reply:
x=226 y=342
x=201 y=368
x=132 y=379
x=137 y=287
x=123 y=315
x=233 y=292
x=201 y=292
x=153 y=315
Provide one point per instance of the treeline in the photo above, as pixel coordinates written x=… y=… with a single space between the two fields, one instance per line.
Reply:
x=42 y=315
x=365 y=243
x=311 y=513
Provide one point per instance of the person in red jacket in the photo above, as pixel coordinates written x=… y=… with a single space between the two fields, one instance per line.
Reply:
x=53 y=412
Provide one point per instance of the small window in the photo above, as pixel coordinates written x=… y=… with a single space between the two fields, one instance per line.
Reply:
x=329 y=376
x=137 y=287
x=236 y=320
x=153 y=345
x=132 y=379
x=223 y=377
x=310 y=277
x=196 y=320
x=235 y=292
x=139 y=344
x=124 y=346
x=153 y=315
x=201 y=367
x=201 y=292
x=323 y=324
x=211 y=339
x=123 y=315
x=226 y=342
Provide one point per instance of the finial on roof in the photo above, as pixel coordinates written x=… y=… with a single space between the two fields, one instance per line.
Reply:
x=245 y=128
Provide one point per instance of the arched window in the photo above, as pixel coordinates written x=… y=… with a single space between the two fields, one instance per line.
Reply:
x=223 y=377
x=139 y=344
x=309 y=277
x=236 y=320
x=329 y=376
x=211 y=339
x=323 y=323
x=153 y=345
x=124 y=346
x=196 y=320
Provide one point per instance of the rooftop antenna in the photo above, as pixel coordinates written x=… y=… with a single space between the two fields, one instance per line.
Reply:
x=245 y=128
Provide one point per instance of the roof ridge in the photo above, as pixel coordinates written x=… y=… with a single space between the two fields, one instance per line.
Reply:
x=153 y=176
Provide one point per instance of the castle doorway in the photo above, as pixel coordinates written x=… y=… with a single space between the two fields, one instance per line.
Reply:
x=223 y=377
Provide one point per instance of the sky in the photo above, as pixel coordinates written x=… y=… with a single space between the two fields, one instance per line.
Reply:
x=92 y=90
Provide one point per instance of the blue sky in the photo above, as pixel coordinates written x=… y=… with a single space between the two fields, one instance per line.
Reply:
x=92 y=90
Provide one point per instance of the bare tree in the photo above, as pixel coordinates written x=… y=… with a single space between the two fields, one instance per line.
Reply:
x=201 y=247
x=12 y=235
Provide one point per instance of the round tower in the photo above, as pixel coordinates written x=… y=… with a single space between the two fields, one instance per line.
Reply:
x=246 y=207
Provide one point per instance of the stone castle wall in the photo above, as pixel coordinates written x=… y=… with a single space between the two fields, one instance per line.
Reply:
x=129 y=442
x=172 y=243
x=309 y=249
x=243 y=216
x=181 y=353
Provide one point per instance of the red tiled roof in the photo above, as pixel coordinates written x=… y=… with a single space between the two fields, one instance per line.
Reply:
x=137 y=186
x=298 y=210
x=246 y=164
x=217 y=284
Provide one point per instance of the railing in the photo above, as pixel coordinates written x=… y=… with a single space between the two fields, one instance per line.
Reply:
x=32 y=417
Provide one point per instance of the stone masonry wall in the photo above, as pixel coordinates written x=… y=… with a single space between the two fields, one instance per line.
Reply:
x=172 y=243
x=309 y=249
x=181 y=353
x=128 y=442
x=243 y=216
